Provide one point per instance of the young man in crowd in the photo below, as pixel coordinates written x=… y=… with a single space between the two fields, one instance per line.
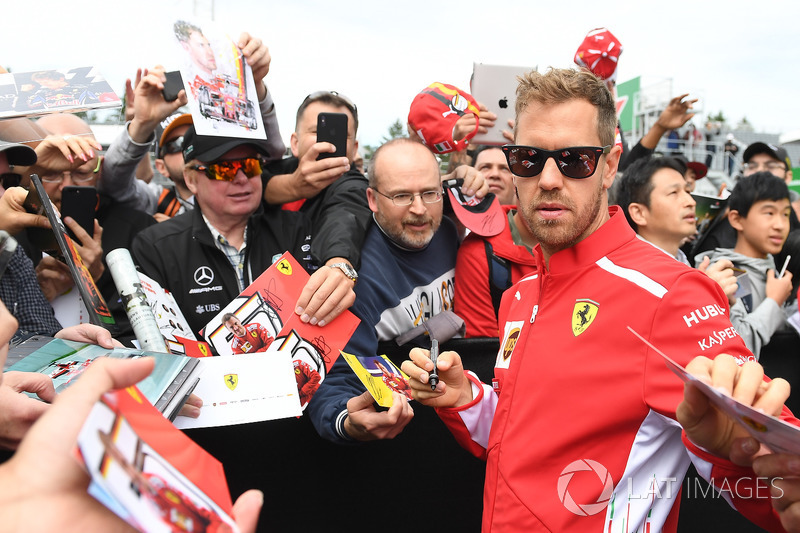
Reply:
x=759 y=212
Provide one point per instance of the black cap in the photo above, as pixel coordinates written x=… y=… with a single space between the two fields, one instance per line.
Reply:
x=18 y=154
x=775 y=152
x=209 y=148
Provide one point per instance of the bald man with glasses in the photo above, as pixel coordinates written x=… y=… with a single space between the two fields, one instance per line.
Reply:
x=406 y=279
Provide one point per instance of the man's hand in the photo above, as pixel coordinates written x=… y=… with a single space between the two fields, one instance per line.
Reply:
x=722 y=273
x=58 y=153
x=310 y=178
x=783 y=470
x=453 y=389
x=149 y=106
x=466 y=123
x=676 y=114
x=91 y=334
x=474 y=182
x=708 y=427
x=43 y=474
x=509 y=133
x=364 y=423
x=191 y=408
x=13 y=217
x=130 y=96
x=326 y=295
x=779 y=289
x=18 y=412
x=54 y=277
x=89 y=248
x=257 y=56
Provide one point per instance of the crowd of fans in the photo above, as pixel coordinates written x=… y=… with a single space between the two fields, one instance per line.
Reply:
x=385 y=244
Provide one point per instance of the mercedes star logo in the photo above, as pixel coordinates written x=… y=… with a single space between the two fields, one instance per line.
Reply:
x=203 y=276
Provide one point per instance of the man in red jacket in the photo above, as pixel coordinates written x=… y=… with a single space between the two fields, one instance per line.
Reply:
x=582 y=428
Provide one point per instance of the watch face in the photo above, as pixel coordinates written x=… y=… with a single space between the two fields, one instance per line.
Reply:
x=347 y=269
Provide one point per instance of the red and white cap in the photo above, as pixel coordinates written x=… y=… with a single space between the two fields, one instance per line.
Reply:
x=599 y=52
x=434 y=113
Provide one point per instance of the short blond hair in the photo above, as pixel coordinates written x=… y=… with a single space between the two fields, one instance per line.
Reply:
x=561 y=85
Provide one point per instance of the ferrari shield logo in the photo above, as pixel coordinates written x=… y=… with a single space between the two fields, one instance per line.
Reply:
x=284 y=267
x=583 y=314
x=231 y=380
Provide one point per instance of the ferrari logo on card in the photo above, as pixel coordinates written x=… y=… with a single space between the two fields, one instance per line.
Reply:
x=583 y=314
x=284 y=267
x=231 y=380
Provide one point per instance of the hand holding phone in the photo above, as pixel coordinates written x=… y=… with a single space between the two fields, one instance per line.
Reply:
x=172 y=86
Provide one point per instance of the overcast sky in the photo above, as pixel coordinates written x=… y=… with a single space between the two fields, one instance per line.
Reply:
x=739 y=57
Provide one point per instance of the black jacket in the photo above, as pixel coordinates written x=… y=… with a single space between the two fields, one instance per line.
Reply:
x=339 y=215
x=181 y=256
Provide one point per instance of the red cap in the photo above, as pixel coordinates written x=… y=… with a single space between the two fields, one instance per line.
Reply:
x=599 y=52
x=434 y=113
x=483 y=217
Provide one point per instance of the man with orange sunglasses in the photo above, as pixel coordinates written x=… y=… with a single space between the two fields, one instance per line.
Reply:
x=207 y=256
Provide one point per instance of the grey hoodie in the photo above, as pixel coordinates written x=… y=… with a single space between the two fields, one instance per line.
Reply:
x=765 y=316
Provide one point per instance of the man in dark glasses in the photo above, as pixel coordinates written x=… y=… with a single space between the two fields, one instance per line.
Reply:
x=208 y=255
x=150 y=111
x=583 y=417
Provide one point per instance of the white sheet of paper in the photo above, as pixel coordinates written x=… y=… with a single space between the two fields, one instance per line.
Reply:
x=774 y=433
x=239 y=389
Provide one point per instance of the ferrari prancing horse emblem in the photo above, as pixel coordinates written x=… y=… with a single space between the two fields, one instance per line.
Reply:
x=583 y=314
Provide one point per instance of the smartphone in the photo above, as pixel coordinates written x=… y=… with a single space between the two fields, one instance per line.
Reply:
x=172 y=86
x=332 y=128
x=79 y=203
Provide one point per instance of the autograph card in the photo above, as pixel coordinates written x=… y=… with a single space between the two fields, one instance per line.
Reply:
x=148 y=472
x=774 y=433
x=238 y=389
x=218 y=81
x=380 y=376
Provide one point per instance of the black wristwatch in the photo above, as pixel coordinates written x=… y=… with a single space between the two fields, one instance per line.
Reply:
x=349 y=271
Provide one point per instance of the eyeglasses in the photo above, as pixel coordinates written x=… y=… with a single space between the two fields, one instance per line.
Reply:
x=769 y=166
x=576 y=162
x=404 y=199
x=227 y=170
x=172 y=147
x=74 y=175
x=10 y=179
x=77 y=176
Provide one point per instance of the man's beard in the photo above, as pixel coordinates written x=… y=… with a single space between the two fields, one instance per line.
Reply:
x=555 y=235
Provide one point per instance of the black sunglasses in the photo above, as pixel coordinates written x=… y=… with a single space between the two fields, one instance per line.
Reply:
x=10 y=179
x=172 y=147
x=577 y=162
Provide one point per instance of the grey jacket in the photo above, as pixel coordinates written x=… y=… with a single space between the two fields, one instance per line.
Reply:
x=765 y=316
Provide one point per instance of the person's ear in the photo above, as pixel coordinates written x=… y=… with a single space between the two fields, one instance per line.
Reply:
x=736 y=220
x=294 y=144
x=190 y=178
x=639 y=214
x=372 y=199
